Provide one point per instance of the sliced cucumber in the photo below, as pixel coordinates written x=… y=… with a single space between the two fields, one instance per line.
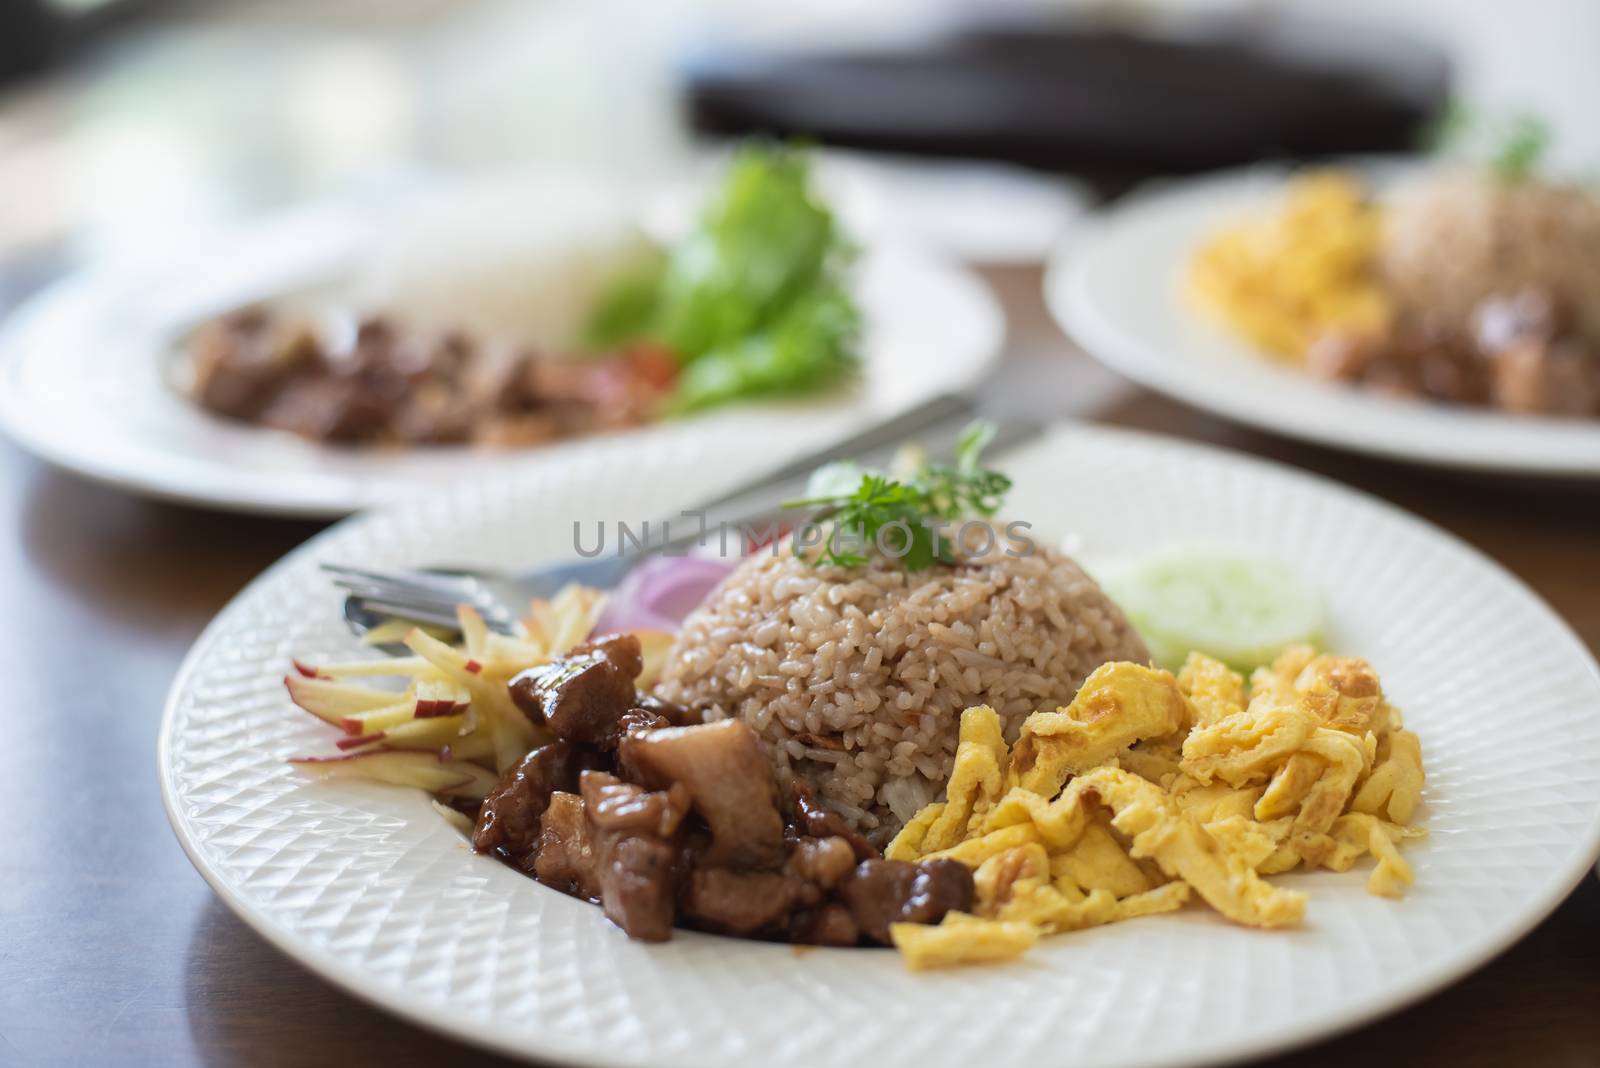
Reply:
x=1243 y=610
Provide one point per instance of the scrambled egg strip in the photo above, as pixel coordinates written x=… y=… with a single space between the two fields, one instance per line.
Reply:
x=1308 y=266
x=961 y=939
x=1248 y=744
x=1149 y=788
x=1215 y=690
x=976 y=781
x=1184 y=849
x=1395 y=785
x=1118 y=704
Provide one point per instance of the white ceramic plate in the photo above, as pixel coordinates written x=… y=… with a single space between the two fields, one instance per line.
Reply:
x=1117 y=291
x=86 y=375
x=365 y=885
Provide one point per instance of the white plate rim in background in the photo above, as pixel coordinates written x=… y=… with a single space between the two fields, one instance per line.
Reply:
x=85 y=370
x=1115 y=289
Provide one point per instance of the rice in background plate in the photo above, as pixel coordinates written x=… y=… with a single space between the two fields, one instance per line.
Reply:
x=1453 y=239
x=518 y=260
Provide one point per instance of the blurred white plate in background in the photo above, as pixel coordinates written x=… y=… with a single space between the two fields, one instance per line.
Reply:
x=86 y=376
x=1116 y=289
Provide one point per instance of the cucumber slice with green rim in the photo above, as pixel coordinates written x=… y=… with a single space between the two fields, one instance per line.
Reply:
x=1243 y=610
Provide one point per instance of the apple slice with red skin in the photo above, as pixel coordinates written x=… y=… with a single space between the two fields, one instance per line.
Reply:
x=381 y=719
x=332 y=701
x=427 y=699
x=502 y=649
x=384 y=667
x=453 y=662
x=440 y=697
x=425 y=771
x=477 y=746
x=474 y=631
x=427 y=735
x=430 y=734
x=490 y=709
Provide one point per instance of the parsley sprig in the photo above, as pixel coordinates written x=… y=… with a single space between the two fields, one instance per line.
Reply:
x=861 y=504
x=1512 y=147
x=1522 y=147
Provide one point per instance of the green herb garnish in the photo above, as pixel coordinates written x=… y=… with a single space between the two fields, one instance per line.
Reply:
x=863 y=503
x=753 y=301
x=1511 y=147
x=1522 y=146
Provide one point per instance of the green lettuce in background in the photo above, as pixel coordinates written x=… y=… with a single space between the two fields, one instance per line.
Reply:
x=753 y=301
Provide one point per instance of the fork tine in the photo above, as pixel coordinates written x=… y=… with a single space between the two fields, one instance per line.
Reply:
x=417 y=596
x=417 y=579
x=401 y=594
x=408 y=584
x=409 y=612
x=406 y=606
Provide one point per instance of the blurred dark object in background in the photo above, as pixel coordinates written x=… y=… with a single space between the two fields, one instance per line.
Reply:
x=35 y=34
x=1112 y=101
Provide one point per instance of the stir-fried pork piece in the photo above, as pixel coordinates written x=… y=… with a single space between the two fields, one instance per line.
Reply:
x=744 y=902
x=822 y=861
x=1522 y=353
x=624 y=807
x=830 y=925
x=754 y=862
x=881 y=892
x=1536 y=362
x=637 y=877
x=390 y=384
x=1556 y=377
x=812 y=819
x=676 y=715
x=729 y=779
x=648 y=714
x=634 y=721
x=565 y=857
x=240 y=362
x=633 y=833
x=510 y=815
x=582 y=695
x=624 y=650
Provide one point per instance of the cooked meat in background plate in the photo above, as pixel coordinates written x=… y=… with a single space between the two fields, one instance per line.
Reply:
x=386 y=384
x=1468 y=286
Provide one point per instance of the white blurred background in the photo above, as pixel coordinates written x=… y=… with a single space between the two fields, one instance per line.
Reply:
x=154 y=121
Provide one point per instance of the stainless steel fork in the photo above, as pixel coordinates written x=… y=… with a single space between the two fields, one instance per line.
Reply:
x=430 y=595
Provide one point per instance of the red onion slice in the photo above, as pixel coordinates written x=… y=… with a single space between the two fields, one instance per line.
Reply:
x=660 y=592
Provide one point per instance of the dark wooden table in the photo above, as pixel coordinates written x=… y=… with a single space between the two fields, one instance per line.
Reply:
x=113 y=951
